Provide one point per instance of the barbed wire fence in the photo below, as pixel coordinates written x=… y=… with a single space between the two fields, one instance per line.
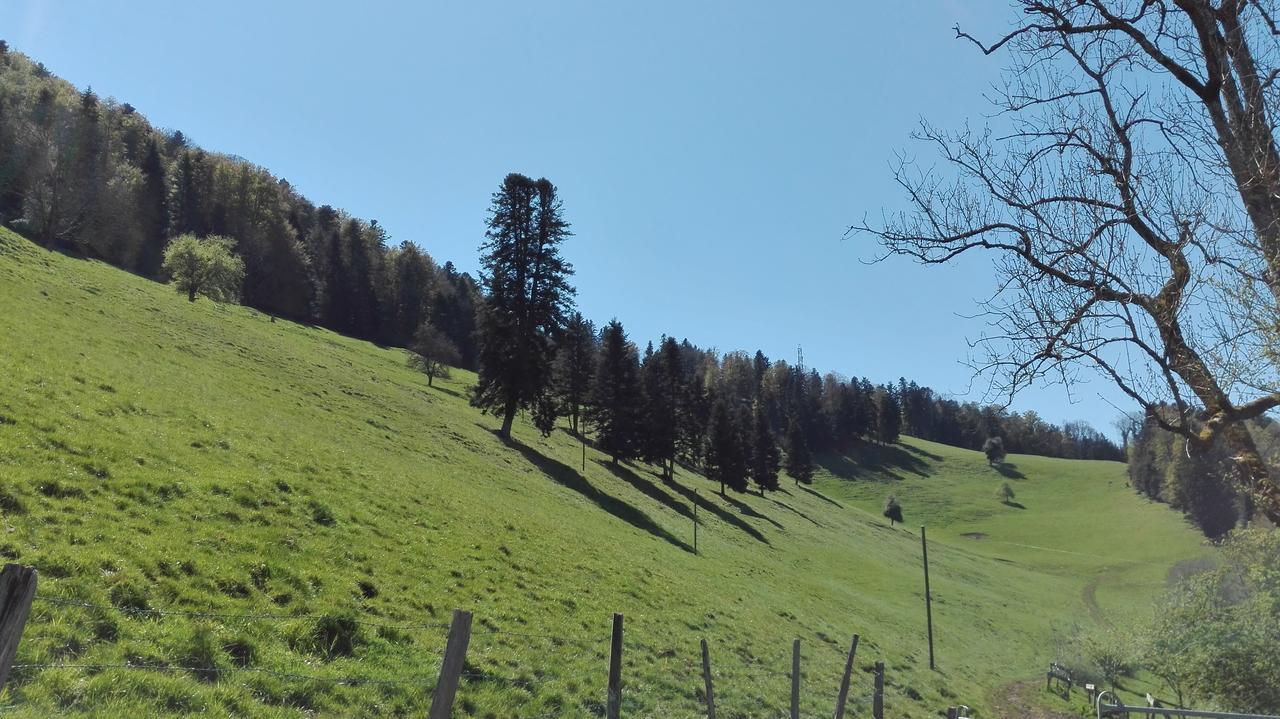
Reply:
x=487 y=670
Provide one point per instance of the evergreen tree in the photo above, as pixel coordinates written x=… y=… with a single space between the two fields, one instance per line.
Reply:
x=615 y=396
x=153 y=210
x=726 y=456
x=574 y=366
x=528 y=294
x=663 y=374
x=888 y=417
x=765 y=457
x=799 y=461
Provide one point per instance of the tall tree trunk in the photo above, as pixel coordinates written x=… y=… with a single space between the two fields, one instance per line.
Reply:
x=508 y=419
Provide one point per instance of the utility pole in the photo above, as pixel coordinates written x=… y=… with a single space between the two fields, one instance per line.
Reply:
x=928 y=598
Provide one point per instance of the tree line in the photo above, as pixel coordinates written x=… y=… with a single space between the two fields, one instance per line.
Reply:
x=739 y=417
x=93 y=176
x=1196 y=481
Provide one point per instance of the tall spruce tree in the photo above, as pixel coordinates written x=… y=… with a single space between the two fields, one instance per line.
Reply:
x=153 y=211
x=663 y=375
x=888 y=417
x=799 y=460
x=574 y=366
x=528 y=295
x=615 y=409
x=726 y=454
x=765 y=457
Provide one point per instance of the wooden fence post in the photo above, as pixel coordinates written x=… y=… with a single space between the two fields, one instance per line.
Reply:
x=615 y=670
x=695 y=521
x=17 y=589
x=844 y=681
x=455 y=656
x=795 y=680
x=706 y=675
x=877 y=698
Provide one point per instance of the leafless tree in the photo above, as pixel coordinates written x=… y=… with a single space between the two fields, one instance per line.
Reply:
x=1129 y=186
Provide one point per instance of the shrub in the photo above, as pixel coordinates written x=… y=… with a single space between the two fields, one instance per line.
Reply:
x=893 y=510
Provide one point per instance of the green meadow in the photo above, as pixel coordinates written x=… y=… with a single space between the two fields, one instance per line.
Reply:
x=247 y=517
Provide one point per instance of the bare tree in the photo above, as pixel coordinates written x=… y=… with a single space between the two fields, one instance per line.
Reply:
x=1129 y=185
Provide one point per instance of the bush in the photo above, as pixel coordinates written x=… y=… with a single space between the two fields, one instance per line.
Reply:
x=994 y=449
x=893 y=510
x=1006 y=493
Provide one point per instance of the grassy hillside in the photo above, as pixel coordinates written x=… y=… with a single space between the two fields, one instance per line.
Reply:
x=322 y=510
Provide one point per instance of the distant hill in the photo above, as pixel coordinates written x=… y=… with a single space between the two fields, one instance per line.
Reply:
x=322 y=510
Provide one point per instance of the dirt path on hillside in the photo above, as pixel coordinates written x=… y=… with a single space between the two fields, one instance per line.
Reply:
x=1018 y=701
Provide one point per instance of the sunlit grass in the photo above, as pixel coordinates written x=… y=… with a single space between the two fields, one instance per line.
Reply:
x=157 y=454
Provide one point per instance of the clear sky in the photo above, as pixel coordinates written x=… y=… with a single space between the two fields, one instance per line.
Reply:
x=709 y=154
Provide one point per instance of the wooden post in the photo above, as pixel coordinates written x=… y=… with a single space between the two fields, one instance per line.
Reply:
x=795 y=680
x=928 y=598
x=615 y=670
x=17 y=589
x=877 y=698
x=695 y=521
x=706 y=676
x=455 y=655
x=844 y=681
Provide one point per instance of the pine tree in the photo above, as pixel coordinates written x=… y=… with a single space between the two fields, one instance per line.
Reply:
x=888 y=417
x=765 y=457
x=528 y=295
x=664 y=399
x=153 y=211
x=574 y=366
x=726 y=456
x=615 y=395
x=799 y=461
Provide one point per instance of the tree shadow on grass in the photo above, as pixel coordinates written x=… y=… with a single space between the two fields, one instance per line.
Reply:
x=446 y=390
x=750 y=511
x=821 y=496
x=922 y=452
x=569 y=477
x=885 y=459
x=793 y=510
x=724 y=515
x=1010 y=471
x=646 y=487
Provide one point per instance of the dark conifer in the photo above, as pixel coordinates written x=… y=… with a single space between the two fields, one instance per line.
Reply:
x=765 y=457
x=528 y=295
x=799 y=461
x=726 y=455
x=615 y=395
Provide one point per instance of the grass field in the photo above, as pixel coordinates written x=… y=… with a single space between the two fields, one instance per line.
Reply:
x=326 y=511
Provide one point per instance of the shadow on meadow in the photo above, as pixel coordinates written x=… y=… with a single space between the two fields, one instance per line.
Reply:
x=569 y=477
x=723 y=514
x=1010 y=470
x=886 y=460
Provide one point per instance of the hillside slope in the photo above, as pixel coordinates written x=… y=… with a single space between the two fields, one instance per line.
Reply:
x=319 y=510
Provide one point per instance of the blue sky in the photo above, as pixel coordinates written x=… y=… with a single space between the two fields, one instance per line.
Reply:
x=709 y=154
